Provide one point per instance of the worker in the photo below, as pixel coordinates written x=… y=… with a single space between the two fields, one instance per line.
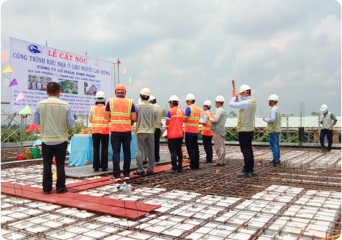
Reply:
x=145 y=132
x=53 y=115
x=328 y=120
x=121 y=112
x=273 y=128
x=99 y=132
x=144 y=150
x=191 y=122
x=218 y=127
x=207 y=134
x=174 y=128
x=157 y=126
x=245 y=127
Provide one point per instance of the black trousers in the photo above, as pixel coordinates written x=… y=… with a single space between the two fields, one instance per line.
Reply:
x=156 y=144
x=245 y=141
x=49 y=151
x=124 y=138
x=329 y=134
x=193 y=150
x=104 y=140
x=175 y=147
x=208 y=147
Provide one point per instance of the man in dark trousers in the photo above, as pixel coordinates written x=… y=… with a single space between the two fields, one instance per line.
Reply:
x=245 y=126
x=53 y=115
x=328 y=120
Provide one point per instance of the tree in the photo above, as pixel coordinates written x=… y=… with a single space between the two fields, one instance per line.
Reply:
x=232 y=114
x=314 y=113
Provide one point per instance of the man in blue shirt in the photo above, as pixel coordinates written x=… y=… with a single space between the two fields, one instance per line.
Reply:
x=273 y=128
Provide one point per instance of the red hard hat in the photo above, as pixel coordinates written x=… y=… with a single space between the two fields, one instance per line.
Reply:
x=120 y=87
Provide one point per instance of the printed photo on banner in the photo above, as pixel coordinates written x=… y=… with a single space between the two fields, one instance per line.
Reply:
x=37 y=82
x=91 y=88
x=68 y=86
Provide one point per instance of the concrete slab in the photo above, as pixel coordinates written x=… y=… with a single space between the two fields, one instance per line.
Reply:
x=88 y=171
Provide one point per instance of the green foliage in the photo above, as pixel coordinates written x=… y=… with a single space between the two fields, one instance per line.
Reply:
x=294 y=139
x=14 y=138
x=231 y=136
x=263 y=138
x=200 y=136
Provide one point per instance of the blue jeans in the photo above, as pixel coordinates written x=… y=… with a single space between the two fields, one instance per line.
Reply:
x=274 y=144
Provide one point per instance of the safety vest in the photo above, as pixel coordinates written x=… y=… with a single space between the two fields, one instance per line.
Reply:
x=99 y=124
x=175 y=129
x=191 y=126
x=246 y=119
x=120 y=114
x=53 y=112
x=206 y=127
x=276 y=125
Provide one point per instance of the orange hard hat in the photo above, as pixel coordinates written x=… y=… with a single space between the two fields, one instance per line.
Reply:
x=120 y=87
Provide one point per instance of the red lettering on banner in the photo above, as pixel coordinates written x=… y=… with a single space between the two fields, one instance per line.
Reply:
x=53 y=54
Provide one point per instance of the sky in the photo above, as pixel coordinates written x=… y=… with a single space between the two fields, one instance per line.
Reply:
x=291 y=48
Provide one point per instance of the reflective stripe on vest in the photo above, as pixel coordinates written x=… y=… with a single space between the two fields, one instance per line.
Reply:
x=99 y=124
x=206 y=127
x=175 y=129
x=191 y=126
x=120 y=114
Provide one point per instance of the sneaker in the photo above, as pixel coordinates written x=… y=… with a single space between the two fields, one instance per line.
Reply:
x=139 y=173
x=126 y=178
x=96 y=170
x=115 y=179
x=323 y=150
x=156 y=160
x=104 y=169
x=64 y=190
x=149 y=173
x=181 y=170
x=46 y=192
x=171 y=171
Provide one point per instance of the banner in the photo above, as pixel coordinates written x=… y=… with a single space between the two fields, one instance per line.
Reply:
x=80 y=77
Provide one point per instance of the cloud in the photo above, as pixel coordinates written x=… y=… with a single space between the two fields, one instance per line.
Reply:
x=175 y=47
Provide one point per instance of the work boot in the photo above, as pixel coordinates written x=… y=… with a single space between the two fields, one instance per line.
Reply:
x=171 y=171
x=244 y=174
x=276 y=164
x=323 y=150
x=181 y=170
x=148 y=173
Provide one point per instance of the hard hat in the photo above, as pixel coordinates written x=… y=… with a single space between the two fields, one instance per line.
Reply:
x=145 y=92
x=219 y=98
x=174 y=98
x=207 y=103
x=120 y=87
x=151 y=98
x=100 y=96
x=274 y=97
x=190 y=96
x=324 y=107
x=244 y=88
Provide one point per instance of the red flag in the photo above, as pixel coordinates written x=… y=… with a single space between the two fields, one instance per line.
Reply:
x=32 y=127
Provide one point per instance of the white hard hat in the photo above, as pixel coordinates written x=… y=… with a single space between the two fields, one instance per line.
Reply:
x=244 y=88
x=219 y=98
x=207 y=103
x=274 y=97
x=174 y=98
x=100 y=96
x=152 y=98
x=145 y=91
x=190 y=96
x=324 y=107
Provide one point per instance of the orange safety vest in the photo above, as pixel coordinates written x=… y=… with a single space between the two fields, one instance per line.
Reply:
x=120 y=114
x=175 y=129
x=206 y=127
x=99 y=124
x=191 y=126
